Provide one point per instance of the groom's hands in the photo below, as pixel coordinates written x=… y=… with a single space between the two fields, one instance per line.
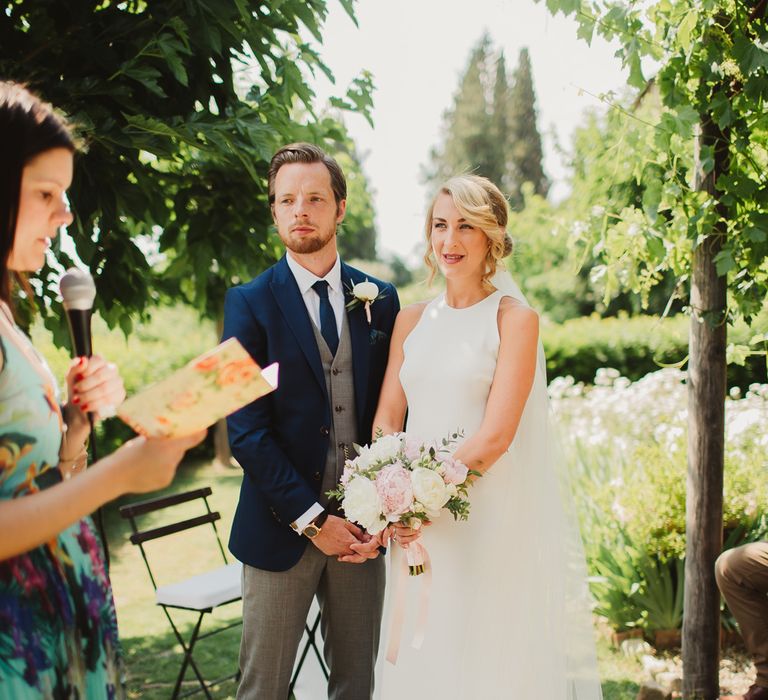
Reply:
x=340 y=538
x=368 y=548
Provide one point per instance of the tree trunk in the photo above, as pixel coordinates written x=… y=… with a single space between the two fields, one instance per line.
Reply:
x=706 y=425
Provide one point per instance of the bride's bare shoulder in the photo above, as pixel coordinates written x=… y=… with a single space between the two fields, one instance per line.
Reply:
x=408 y=317
x=513 y=312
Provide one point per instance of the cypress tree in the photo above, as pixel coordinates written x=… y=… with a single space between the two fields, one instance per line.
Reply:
x=466 y=144
x=524 y=141
x=491 y=128
x=500 y=125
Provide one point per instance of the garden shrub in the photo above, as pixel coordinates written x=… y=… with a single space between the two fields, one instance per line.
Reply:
x=635 y=346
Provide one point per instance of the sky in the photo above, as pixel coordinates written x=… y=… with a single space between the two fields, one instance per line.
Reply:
x=417 y=51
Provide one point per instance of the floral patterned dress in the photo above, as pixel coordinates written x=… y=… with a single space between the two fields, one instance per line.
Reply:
x=58 y=630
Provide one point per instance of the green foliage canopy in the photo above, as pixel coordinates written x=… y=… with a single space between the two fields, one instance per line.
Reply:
x=712 y=58
x=180 y=104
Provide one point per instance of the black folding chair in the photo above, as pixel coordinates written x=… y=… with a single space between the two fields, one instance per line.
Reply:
x=311 y=643
x=201 y=593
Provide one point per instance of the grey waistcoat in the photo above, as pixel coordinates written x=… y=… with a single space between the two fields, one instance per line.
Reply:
x=339 y=381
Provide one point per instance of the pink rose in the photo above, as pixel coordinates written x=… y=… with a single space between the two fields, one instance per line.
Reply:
x=393 y=484
x=453 y=471
x=412 y=448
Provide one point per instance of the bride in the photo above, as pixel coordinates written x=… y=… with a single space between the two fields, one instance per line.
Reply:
x=509 y=609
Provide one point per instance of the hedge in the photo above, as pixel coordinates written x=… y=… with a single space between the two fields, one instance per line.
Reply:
x=634 y=346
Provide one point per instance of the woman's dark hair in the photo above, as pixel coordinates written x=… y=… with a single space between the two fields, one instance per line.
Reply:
x=28 y=127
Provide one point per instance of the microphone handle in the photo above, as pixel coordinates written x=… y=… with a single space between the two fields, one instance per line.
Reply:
x=79 y=321
x=80 y=331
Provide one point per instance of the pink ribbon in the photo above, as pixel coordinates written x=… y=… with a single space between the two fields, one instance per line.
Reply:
x=415 y=555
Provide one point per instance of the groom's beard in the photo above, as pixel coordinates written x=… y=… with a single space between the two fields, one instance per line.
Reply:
x=308 y=243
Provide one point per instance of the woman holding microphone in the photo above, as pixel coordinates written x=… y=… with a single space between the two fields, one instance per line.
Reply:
x=58 y=631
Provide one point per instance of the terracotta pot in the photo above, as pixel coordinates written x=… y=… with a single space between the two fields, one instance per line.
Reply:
x=618 y=637
x=667 y=639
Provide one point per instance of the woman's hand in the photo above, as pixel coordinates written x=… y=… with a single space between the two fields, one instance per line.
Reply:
x=145 y=464
x=94 y=386
x=404 y=535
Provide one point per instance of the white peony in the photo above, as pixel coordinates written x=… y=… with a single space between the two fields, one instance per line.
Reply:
x=365 y=291
x=361 y=504
x=364 y=460
x=385 y=448
x=430 y=490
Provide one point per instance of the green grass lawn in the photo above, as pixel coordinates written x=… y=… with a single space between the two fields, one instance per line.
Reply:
x=152 y=654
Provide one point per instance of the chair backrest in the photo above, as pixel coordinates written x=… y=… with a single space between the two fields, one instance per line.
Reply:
x=133 y=512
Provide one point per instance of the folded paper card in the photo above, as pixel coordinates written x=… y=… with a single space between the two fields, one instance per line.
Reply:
x=210 y=387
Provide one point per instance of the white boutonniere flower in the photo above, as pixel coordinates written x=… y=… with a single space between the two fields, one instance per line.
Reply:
x=365 y=293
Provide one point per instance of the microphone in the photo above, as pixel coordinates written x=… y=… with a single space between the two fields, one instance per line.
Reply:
x=78 y=292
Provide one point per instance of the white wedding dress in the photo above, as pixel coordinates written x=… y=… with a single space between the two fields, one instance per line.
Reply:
x=509 y=609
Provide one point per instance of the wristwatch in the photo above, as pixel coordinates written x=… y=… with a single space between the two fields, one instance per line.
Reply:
x=313 y=529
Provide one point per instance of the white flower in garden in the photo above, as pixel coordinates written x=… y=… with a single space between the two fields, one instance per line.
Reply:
x=606 y=376
x=619 y=512
x=746 y=421
x=361 y=504
x=429 y=489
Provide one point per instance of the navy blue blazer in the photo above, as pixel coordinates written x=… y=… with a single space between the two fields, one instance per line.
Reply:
x=281 y=440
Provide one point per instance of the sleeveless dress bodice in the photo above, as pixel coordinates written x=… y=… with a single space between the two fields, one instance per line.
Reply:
x=58 y=630
x=448 y=367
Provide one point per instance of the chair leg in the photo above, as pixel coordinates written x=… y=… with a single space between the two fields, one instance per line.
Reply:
x=301 y=662
x=188 y=659
x=311 y=643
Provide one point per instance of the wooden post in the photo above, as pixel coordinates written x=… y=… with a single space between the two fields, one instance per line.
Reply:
x=706 y=426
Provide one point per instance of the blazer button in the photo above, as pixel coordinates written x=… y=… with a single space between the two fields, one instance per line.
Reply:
x=325 y=431
x=338 y=409
x=335 y=371
x=316 y=476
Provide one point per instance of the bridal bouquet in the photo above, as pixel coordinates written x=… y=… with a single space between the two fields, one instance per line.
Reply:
x=400 y=479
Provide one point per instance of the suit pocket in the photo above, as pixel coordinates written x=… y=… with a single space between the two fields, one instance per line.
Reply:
x=375 y=336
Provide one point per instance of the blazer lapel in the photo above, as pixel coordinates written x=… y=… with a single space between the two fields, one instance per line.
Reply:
x=361 y=347
x=288 y=298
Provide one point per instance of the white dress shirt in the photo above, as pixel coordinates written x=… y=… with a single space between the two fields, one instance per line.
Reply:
x=305 y=279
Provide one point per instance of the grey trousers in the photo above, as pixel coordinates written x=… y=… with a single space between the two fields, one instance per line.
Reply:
x=742 y=576
x=275 y=608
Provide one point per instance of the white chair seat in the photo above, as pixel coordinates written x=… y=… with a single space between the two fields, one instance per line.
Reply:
x=204 y=590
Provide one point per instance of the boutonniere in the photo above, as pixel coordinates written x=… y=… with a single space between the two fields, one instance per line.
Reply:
x=364 y=293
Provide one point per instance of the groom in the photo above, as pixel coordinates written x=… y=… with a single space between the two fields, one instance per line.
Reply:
x=293 y=543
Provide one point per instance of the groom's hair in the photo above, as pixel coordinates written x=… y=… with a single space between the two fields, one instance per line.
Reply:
x=307 y=153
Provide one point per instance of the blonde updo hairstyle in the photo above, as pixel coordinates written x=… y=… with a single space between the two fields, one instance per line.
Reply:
x=483 y=206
